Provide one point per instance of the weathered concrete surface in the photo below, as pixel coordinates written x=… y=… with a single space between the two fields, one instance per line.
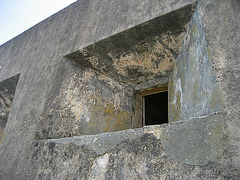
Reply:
x=193 y=90
x=88 y=103
x=138 y=154
x=197 y=141
x=7 y=91
x=38 y=55
x=222 y=34
x=91 y=103
x=140 y=54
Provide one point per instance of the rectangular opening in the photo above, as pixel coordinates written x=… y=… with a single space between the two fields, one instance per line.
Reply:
x=155 y=108
x=154 y=103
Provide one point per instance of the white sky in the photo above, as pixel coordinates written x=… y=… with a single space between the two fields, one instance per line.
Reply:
x=16 y=16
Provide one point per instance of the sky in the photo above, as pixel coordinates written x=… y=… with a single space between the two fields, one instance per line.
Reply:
x=16 y=16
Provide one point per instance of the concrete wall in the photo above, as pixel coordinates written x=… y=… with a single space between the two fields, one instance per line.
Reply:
x=193 y=89
x=87 y=103
x=97 y=92
x=7 y=91
x=196 y=147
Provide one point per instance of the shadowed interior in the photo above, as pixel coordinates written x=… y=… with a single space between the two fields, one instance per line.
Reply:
x=156 y=108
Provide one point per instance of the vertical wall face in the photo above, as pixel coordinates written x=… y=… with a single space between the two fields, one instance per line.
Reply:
x=7 y=91
x=87 y=103
x=193 y=90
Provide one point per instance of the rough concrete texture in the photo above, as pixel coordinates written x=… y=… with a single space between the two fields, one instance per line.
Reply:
x=100 y=99
x=88 y=103
x=197 y=141
x=140 y=54
x=7 y=91
x=193 y=90
x=135 y=154
x=55 y=95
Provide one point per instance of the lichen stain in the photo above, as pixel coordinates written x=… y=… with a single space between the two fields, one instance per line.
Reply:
x=194 y=30
x=105 y=117
x=78 y=110
x=83 y=109
x=173 y=41
x=75 y=97
x=94 y=61
x=193 y=34
x=155 y=60
x=1 y=138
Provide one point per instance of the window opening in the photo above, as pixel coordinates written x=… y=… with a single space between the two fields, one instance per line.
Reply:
x=155 y=108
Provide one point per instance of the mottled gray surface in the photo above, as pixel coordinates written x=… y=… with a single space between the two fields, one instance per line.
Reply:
x=193 y=89
x=7 y=91
x=38 y=55
x=142 y=53
x=142 y=154
x=96 y=95
x=197 y=141
x=222 y=34
x=87 y=103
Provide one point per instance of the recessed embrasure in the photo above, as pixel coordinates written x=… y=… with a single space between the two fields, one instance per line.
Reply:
x=102 y=97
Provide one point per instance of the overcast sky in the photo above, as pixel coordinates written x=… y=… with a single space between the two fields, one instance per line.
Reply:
x=16 y=16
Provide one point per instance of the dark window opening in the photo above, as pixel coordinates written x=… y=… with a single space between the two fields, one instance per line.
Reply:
x=155 y=109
